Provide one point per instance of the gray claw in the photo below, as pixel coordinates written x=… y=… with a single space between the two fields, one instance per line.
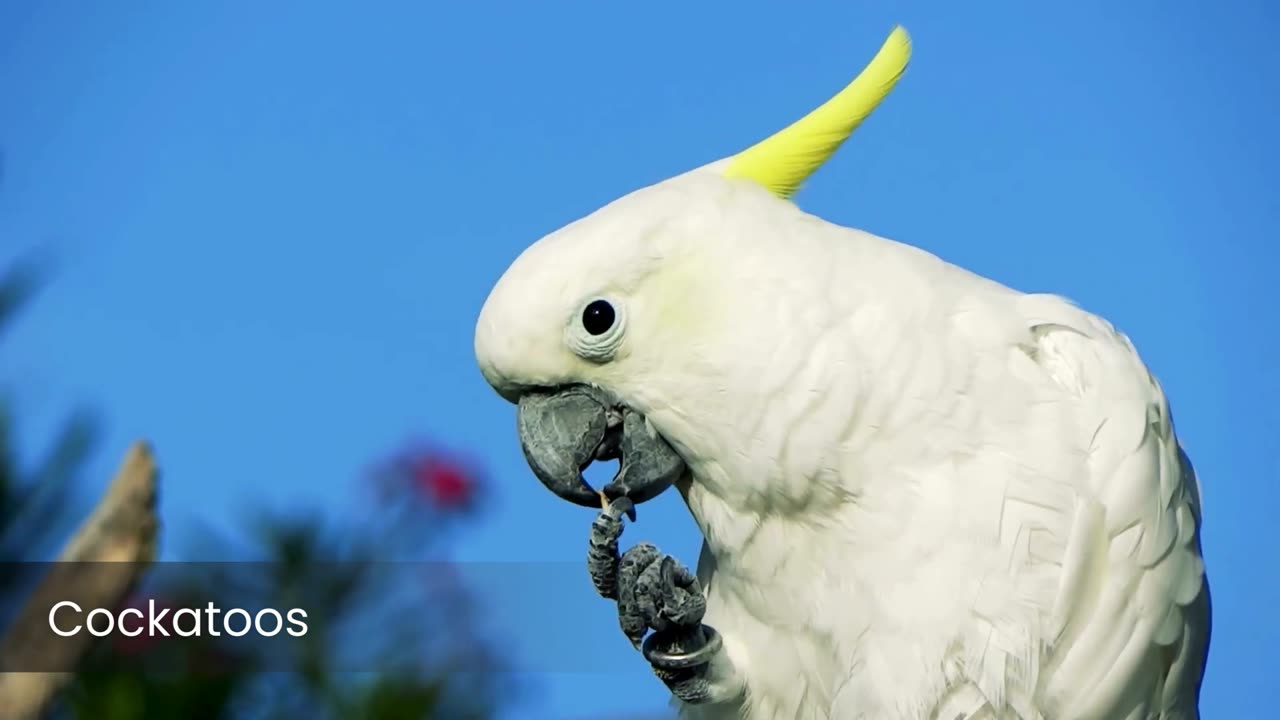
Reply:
x=635 y=610
x=602 y=548
x=654 y=592
x=682 y=598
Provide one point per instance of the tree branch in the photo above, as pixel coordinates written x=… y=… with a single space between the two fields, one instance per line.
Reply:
x=101 y=564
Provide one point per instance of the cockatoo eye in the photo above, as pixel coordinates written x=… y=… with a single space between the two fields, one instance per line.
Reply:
x=598 y=317
x=596 y=331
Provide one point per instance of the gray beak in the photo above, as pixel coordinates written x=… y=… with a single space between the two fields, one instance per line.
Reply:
x=563 y=431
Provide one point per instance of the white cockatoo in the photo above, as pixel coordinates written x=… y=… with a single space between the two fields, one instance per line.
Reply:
x=923 y=495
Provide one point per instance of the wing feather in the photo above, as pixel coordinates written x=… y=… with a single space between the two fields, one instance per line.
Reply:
x=1132 y=623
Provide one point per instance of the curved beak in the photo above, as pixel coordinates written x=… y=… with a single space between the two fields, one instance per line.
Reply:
x=564 y=430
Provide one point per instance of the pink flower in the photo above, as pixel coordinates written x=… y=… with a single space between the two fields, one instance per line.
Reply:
x=440 y=478
x=443 y=480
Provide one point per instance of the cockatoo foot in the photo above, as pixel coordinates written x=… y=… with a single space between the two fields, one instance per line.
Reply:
x=654 y=591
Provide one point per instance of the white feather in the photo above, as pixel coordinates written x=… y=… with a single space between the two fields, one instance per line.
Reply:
x=921 y=492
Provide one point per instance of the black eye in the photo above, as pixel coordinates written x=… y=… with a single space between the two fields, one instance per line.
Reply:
x=598 y=317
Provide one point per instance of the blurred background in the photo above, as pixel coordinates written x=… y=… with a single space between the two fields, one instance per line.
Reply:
x=258 y=235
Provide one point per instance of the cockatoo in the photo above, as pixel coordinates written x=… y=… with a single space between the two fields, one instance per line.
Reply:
x=922 y=494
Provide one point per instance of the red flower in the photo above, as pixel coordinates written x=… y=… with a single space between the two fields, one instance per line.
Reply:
x=443 y=480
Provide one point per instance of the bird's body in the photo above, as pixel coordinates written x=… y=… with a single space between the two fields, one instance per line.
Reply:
x=944 y=490
x=938 y=487
x=923 y=495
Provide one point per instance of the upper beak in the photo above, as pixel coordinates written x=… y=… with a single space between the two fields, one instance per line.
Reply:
x=562 y=431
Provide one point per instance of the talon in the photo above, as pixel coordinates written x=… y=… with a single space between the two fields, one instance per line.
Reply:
x=682 y=599
x=632 y=615
x=649 y=595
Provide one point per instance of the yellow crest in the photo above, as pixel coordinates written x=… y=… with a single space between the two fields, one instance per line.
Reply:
x=784 y=160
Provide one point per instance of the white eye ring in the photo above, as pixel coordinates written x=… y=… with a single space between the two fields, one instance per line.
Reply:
x=596 y=330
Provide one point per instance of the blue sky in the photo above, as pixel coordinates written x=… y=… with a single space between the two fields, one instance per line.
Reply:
x=276 y=222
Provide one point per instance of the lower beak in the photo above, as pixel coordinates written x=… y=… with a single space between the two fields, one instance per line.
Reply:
x=563 y=431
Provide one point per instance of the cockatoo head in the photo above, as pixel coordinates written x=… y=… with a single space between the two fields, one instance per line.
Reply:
x=623 y=312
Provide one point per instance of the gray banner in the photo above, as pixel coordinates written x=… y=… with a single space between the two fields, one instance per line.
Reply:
x=206 y=617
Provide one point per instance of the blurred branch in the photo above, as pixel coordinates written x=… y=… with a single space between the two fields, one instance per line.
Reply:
x=103 y=562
